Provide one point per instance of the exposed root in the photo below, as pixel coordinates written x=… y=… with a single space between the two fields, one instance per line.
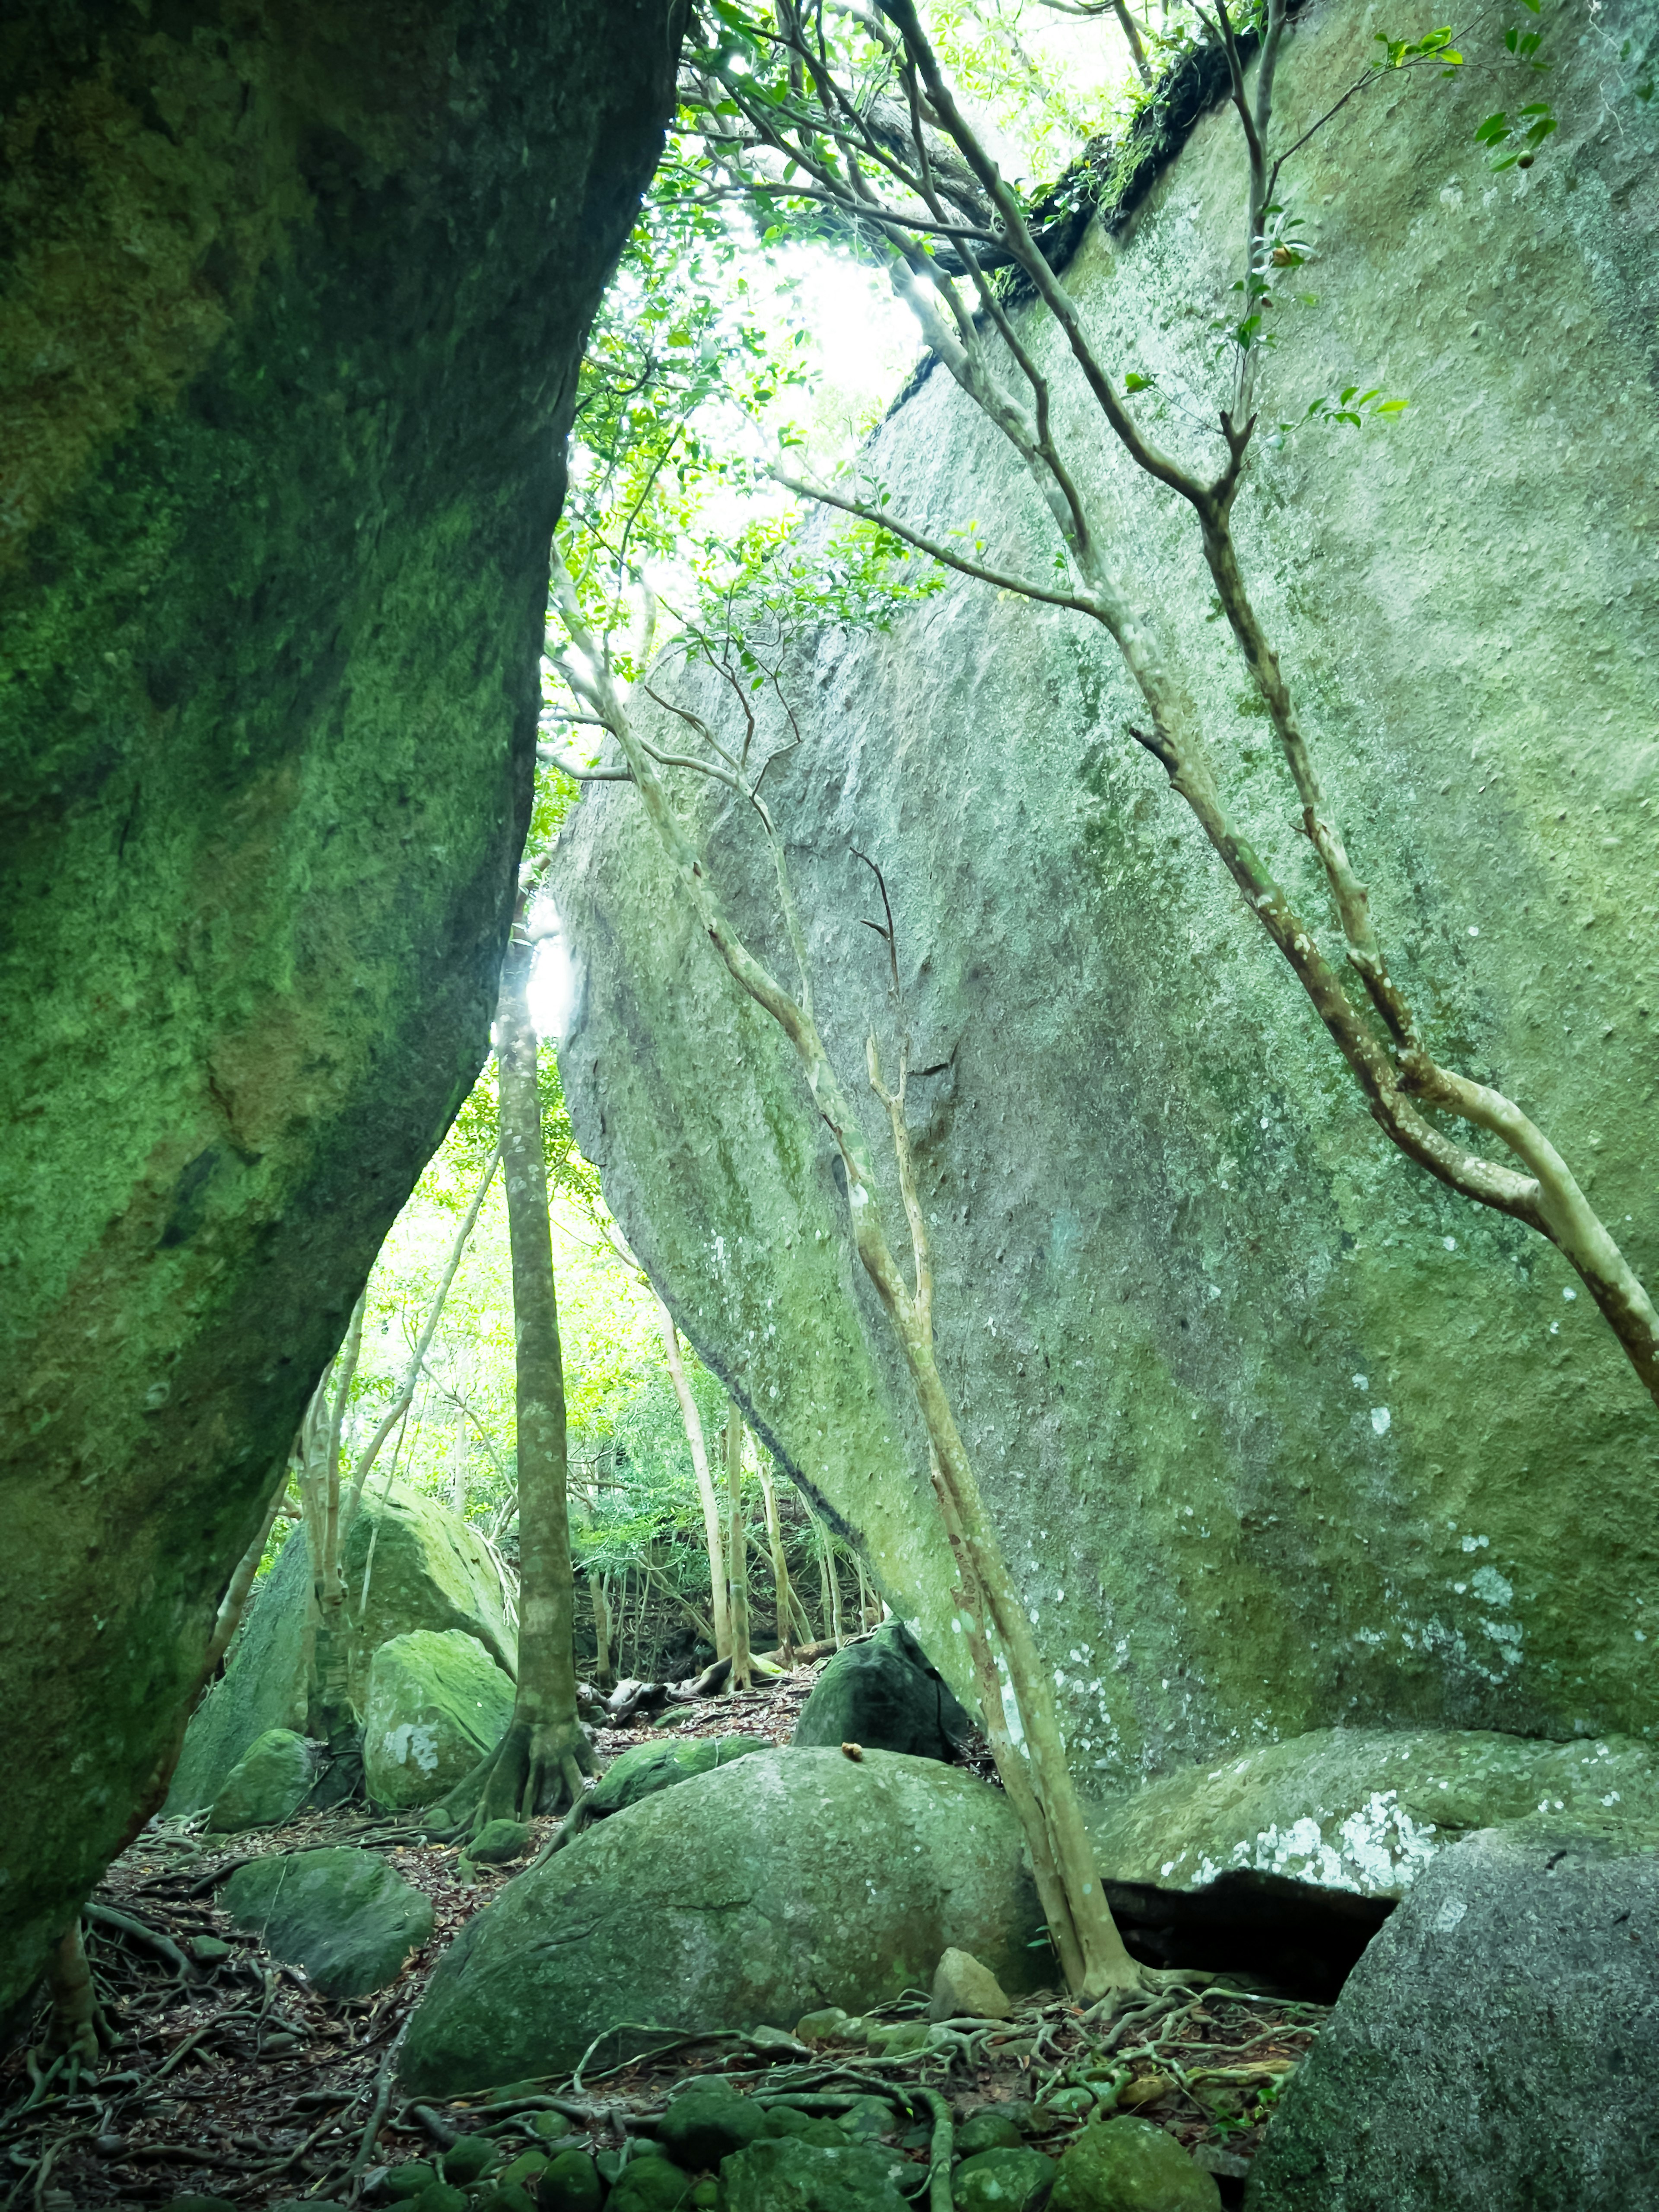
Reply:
x=534 y=1769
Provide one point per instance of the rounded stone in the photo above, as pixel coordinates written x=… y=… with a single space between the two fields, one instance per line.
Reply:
x=1006 y=2179
x=1130 y=2166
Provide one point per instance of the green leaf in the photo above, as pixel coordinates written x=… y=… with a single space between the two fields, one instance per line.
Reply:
x=1134 y=382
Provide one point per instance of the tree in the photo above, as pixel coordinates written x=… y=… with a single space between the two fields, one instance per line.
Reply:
x=540 y=1764
x=800 y=106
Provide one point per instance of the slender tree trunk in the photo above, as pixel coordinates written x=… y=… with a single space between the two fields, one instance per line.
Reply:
x=831 y=1585
x=603 y=1677
x=779 y=1567
x=711 y=1510
x=539 y=1764
x=234 y=1601
x=737 y=1554
x=864 y=1594
x=329 y=1714
x=76 y=2017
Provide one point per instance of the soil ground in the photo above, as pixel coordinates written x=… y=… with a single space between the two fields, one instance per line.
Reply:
x=229 y=2076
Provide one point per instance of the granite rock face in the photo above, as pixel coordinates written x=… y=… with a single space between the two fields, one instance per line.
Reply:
x=342 y=1914
x=1280 y=1435
x=1495 y=2046
x=292 y=306
x=886 y=1694
x=747 y=1896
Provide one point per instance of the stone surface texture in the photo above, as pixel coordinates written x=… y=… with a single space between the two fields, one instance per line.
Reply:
x=789 y=1880
x=963 y=1989
x=1131 y=2165
x=1003 y=2180
x=438 y=1704
x=293 y=299
x=649 y=1767
x=791 y=2176
x=342 y=1914
x=886 y=1694
x=409 y=1563
x=1366 y=1809
x=1280 y=1435
x=266 y=1784
x=1495 y=2046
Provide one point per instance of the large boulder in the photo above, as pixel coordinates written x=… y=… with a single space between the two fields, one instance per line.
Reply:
x=1363 y=1810
x=409 y=1563
x=1281 y=1434
x=267 y=1784
x=1131 y=2165
x=342 y=1914
x=1496 y=2045
x=294 y=299
x=788 y=1881
x=886 y=1693
x=437 y=1705
x=787 y=2175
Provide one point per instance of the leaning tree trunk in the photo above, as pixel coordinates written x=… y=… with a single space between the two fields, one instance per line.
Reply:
x=737 y=1554
x=538 y=1766
x=602 y=1676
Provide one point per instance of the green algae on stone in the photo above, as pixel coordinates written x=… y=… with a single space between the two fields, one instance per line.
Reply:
x=342 y=1914
x=437 y=1705
x=1002 y=2179
x=266 y=1785
x=790 y=2175
x=729 y=1902
x=1131 y=2165
x=648 y=1767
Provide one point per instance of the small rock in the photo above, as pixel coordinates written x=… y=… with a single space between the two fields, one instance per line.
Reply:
x=499 y=1842
x=1146 y=2091
x=570 y=2183
x=775 y=2042
x=1068 y=2103
x=1130 y=2166
x=897 y=2039
x=207 y=1951
x=705 y=2196
x=443 y=2196
x=550 y=2126
x=963 y=1990
x=796 y=2177
x=649 y=2184
x=505 y=2197
x=411 y=2178
x=1003 y=2180
x=783 y=2120
x=342 y=1914
x=266 y=1784
x=866 y=2119
x=831 y=2025
x=991 y=2128
x=468 y=2159
x=883 y=1695
x=523 y=2170
x=701 y=2127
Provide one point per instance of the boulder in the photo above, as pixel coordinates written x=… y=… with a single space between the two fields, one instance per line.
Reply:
x=437 y=1705
x=649 y=2184
x=409 y=1564
x=1363 y=1810
x=266 y=1785
x=570 y=2183
x=791 y=2176
x=342 y=1914
x=786 y=1880
x=963 y=1988
x=649 y=1767
x=498 y=1842
x=294 y=302
x=1131 y=2165
x=702 y=2126
x=1496 y=2045
x=991 y=2128
x=886 y=1694
x=1003 y=2180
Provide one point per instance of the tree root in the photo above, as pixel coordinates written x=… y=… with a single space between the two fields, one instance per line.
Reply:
x=535 y=1768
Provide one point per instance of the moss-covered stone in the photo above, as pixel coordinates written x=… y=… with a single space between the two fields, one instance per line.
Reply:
x=649 y=1767
x=1280 y=1435
x=1131 y=2165
x=791 y=2176
x=341 y=1914
x=438 y=1704
x=292 y=300
x=1005 y=2179
x=1366 y=1809
x=409 y=1564
x=266 y=1785
x=726 y=1902
x=886 y=1694
x=570 y=2183
x=650 y=2185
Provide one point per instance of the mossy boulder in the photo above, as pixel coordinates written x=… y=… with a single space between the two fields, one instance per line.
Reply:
x=1365 y=1809
x=342 y=1914
x=1131 y=2165
x=741 y=1897
x=1007 y=2179
x=498 y=1842
x=570 y=2183
x=266 y=1785
x=702 y=2126
x=409 y=1564
x=293 y=304
x=791 y=2176
x=650 y=2185
x=437 y=1705
x=886 y=1694
x=648 y=1767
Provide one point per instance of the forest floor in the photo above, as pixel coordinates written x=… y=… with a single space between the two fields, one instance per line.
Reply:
x=229 y=2076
